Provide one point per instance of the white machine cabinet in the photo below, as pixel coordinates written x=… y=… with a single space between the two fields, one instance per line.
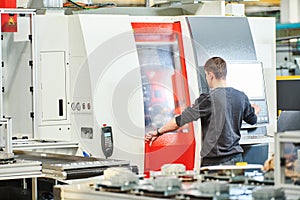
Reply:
x=287 y=161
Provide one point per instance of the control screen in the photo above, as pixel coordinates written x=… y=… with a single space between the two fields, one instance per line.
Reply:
x=248 y=77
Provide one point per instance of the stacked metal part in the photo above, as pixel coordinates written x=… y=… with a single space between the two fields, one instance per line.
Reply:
x=264 y=193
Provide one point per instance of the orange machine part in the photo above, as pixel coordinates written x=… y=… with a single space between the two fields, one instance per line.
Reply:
x=8 y=21
x=169 y=148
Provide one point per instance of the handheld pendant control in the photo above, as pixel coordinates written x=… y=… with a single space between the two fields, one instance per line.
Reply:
x=107 y=140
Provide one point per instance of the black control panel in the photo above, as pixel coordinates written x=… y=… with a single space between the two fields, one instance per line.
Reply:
x=107 y=140
x=263 y=115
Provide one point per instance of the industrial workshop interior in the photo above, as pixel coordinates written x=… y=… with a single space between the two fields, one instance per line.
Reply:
x=122 y=99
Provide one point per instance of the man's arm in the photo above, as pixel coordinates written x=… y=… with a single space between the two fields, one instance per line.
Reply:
x=168 y=127
x=192 y=113
x=251 y=112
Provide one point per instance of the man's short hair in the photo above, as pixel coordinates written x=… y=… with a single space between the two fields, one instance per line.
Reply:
x=217 y=66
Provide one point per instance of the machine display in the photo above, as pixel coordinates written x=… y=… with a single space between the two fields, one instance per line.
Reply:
x=286 y=93
x=248 y=77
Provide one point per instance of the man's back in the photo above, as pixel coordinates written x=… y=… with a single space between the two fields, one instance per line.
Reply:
x=221 y=128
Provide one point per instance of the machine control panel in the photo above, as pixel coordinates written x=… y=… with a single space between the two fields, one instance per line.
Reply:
x=81 y=106
x=107 y=140
x=263 y=116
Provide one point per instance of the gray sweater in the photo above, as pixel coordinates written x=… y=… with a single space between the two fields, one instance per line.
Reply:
x=222 y=111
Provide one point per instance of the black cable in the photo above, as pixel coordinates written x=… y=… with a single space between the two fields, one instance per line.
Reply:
x=76 y=4
x=96 y=4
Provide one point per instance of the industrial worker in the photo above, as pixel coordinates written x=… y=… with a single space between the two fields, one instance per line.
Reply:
x=221 y=111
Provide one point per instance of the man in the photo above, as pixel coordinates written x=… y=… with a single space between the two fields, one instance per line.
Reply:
x=221 y=111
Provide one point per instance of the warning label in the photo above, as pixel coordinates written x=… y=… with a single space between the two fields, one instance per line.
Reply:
x=9 y=22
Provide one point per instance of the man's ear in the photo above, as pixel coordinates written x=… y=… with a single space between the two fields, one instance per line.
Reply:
x=211 y=75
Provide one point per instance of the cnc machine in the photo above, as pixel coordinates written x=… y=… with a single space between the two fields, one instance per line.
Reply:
x=131 y=72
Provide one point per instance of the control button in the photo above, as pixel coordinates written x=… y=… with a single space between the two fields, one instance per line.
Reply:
x=73 y=106
x=78 y=106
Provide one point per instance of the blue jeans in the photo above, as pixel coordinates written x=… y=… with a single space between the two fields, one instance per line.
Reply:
x=234 y=159
x=229 y=160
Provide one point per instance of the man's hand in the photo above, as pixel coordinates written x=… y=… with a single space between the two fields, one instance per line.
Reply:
x=151 y=137
x=168 y=127
x=256 y=108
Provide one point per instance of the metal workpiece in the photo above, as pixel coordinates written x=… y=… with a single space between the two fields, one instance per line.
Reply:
x=173 y=187
x=118 y=179
x=161 y=187
x=37 y=144
x=268 y=193
x=62 y=167
x=20 y=169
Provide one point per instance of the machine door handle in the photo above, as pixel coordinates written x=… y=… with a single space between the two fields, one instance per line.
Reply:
x=60 y=107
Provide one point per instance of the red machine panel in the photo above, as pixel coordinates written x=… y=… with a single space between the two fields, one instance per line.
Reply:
x=8 y=21
x=166 y=93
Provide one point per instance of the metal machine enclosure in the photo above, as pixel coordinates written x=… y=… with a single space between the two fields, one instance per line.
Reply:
x=90 y=75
